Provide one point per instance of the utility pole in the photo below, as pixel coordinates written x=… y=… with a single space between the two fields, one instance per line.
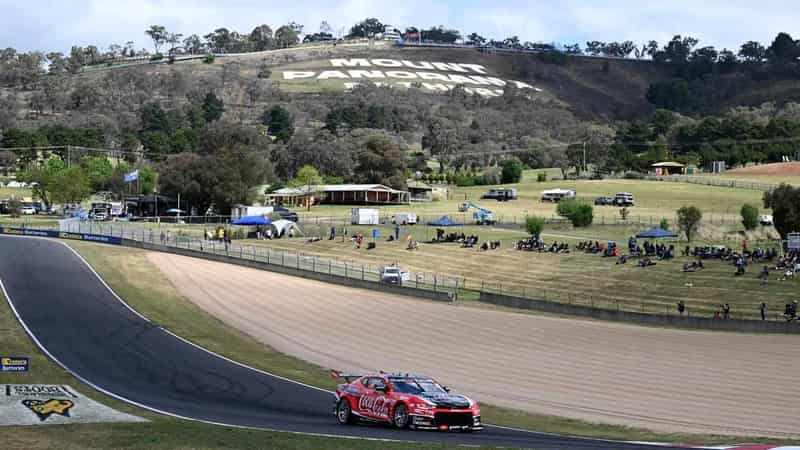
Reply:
x=585 y=168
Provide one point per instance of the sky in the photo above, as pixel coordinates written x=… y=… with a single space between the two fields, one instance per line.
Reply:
x=56 y=25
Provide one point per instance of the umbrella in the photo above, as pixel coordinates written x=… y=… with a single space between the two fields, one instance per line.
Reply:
x=656 y=233
x=252 y=220
x=444 y=221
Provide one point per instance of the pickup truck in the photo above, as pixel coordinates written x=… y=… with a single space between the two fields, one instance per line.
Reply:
x=393 y=275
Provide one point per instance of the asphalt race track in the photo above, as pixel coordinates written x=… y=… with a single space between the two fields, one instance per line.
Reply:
x=89 y=331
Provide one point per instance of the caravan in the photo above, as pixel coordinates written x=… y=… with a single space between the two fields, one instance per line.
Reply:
x=556 y=195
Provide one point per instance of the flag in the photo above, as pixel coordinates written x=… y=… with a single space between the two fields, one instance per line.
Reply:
x=133 y=176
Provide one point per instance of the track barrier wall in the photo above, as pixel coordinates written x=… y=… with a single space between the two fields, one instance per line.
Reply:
x=667 y=320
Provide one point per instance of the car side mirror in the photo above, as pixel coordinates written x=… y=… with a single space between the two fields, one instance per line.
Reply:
x=381 y=389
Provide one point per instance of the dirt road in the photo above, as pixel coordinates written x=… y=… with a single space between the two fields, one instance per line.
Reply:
x=661 y=379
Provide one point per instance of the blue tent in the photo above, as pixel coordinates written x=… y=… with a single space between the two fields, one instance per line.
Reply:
x=444 y=221
x=252 y=220
x=656 y=233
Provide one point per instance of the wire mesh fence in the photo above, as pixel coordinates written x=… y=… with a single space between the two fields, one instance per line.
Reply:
x=290 y=259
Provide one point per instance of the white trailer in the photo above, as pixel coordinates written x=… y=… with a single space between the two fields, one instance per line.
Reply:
x=405 y=219
x=364 y=216
x=239 y=211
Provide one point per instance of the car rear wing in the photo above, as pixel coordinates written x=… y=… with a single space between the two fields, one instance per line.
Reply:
x=348 y=377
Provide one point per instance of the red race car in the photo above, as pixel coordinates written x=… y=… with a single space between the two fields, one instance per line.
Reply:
x=404 y=401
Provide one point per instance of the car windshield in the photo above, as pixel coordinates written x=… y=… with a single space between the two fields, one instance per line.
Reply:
x=416 y=387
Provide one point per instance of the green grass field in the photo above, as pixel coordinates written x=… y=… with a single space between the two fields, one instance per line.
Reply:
x=654 y=201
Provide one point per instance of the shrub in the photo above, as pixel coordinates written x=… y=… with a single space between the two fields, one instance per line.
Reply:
x=264 y=71
x=624 y=213
x=664 y=224
x=464 y=181
x=749 y=217
x=541 y=177
x=534 y=225
x=512 y=171
x=579 y=214
x=14 y=206
x=689 y=218
x=633 y=175
x=209 y=59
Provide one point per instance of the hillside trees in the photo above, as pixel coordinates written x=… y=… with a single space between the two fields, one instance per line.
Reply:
x=380 y=160
x=279 y=122
x=158 y=34
x=368 y=27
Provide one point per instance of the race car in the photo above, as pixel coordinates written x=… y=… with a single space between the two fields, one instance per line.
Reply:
x=404 y=401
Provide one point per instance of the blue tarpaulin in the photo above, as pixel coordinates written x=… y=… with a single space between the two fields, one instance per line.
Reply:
x=444 y=221
x=252 y=220
x=656 y=233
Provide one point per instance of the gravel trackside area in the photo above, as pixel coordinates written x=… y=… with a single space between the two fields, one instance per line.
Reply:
x=662 y=379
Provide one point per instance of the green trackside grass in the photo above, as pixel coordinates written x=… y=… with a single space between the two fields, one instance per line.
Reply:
x=146 y=289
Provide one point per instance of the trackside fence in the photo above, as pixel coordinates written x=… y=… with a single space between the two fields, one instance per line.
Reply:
x=298 y=262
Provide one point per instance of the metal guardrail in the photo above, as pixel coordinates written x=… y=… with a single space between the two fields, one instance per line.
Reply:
x=708 y=181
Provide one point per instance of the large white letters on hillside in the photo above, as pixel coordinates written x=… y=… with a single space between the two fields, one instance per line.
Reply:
x=412 y=74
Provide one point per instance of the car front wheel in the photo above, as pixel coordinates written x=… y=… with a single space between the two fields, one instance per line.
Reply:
x=344 y=415
x=400 y=417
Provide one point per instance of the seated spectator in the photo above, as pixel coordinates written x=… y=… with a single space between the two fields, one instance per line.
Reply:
x=622 y=260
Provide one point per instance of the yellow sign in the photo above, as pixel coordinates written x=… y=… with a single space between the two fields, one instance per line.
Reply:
x=45 y=409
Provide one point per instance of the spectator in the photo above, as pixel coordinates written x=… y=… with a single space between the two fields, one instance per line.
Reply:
x=764 y=276
x=726 y=311
x=333 y=234
x=681 y=307
x=396 y=232
x=763 y=309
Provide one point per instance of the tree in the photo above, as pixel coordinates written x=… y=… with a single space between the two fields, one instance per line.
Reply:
x=193 y=44
x=752 y=52
x=476 y=39
x=99 y=171
x=286 y=36
x=512 y=171
x=279 y=123
x=785 y=204
x=366 y=28
x=239 y=171
x=783 y=49
x=749 y=216
x=689 y=218
x=664 y=225
x=308 y=180
x=70 y=185
x=534 y=225
x=261 y=38
x=213 y=107
x=43 y=177
x=192 y=176
x=579 y=214
x=158 y=33
x=380 y=160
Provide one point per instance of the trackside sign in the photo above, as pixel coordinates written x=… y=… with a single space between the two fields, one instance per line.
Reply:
x=45 y=404
x=61 y=235
x=14 y=364
x=430 y=76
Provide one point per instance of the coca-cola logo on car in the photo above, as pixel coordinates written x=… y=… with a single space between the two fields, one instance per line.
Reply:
x=378 y=406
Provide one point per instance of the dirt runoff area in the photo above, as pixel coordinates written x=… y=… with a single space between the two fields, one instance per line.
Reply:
x=787 y=168
x=661 y=379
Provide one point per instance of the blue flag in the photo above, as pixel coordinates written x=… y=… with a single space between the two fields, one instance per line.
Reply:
x=133 y=176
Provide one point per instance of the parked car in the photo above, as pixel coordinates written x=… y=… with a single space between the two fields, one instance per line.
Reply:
x=393 y=275
x=766 y=220
x=285 y=214
x=27 y=210
x=624 y=199
x=604 y=201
